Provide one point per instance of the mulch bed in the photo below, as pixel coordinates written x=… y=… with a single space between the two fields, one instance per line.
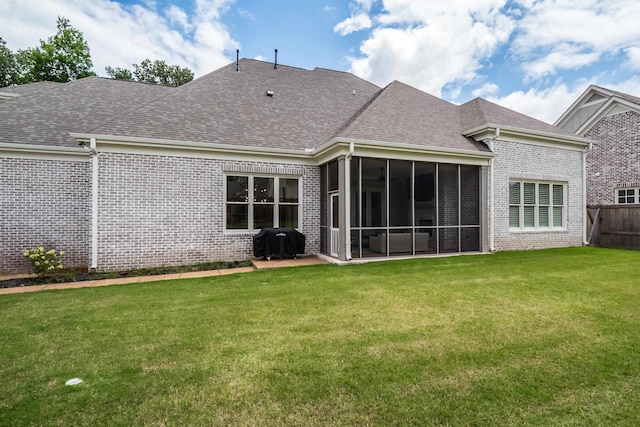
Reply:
x=83 y=275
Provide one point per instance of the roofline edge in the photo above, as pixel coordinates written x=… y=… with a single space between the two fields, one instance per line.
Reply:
x=546 y=136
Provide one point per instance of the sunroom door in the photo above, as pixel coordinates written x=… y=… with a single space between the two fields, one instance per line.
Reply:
x=335 y=230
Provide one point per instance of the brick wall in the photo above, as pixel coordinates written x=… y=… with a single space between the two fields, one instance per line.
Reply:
x=157 y=210
x=44 y=203
x=519 y=160
x=616 y=157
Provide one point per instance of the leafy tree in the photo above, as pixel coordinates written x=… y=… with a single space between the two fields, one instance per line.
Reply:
x=62 y=58
x=157 y=72
x=8 y=68
x=119 y=73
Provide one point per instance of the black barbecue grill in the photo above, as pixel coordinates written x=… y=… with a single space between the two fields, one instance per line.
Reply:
x=281 y=242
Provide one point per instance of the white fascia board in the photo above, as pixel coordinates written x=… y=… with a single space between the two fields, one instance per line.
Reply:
x=138 y=145
x=603 y=111
x=399 y=151
x=44 y=152
x=526 y=136
x=328 y=151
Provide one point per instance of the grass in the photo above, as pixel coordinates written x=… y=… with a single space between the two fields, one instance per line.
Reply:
x=516 y=338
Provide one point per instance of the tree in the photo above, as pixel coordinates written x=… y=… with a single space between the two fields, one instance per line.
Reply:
x=62 y=58
x=8 y=68
x=157 y=72
x=119 y=73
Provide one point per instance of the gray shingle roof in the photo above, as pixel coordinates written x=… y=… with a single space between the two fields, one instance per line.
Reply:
x=46 y=117
x=479 y=112
x=308 y=108
x=29 y=88
x=403 y=114
x=229 y=107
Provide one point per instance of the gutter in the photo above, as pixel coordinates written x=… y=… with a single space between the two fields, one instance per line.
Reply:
x=400 y=147
x=42 y=151
x=94 y=203
x=193 y=146
x=584 y=194
x=492 y=246
x=539 y=135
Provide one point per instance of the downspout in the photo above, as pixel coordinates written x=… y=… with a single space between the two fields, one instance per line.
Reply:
x=347 y=202
x=94 y=204
x=492 y=246
x=584 y=194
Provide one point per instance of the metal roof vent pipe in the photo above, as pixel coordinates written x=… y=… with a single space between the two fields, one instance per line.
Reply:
x=275 y=64
x=237 y=59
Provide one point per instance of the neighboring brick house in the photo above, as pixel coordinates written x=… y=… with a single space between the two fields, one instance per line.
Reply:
x=612 y=120
x=122 y=174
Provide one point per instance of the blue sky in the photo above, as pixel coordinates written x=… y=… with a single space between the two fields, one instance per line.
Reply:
x=534 y=56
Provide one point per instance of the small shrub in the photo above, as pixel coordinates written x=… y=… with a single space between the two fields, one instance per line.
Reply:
x=44 y=261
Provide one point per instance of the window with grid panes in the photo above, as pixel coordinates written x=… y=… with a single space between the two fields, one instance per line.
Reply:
x=536 y=205
x=256 y=202
x=626 y=196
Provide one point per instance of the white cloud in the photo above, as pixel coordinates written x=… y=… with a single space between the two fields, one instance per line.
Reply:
x=353 y=24
x=486 y=90
x=543 y=104
x=563 y=56
x=633 y=53
x=430 y=44
x=122 y=35
x=453 y=44
x=359 y=19
x=549 y=103
x=179 y=17
x=587 y=29
x=246 y=14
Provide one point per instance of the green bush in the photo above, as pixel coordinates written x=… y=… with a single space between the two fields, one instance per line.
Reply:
x=44 y=261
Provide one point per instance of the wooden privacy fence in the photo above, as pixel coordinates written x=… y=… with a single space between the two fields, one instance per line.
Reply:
x=614 y=226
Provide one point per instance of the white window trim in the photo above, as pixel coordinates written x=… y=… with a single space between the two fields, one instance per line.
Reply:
x=537 y=228
x=276 y=202
x=636 y=195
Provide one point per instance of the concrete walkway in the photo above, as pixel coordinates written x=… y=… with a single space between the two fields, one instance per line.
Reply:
x=257 y=265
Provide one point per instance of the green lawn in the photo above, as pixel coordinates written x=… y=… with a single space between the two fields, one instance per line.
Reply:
x=520 y=338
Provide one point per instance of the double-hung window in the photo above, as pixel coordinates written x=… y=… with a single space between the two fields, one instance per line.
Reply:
x=627 y=195
x=536 y=205
x=254 y=202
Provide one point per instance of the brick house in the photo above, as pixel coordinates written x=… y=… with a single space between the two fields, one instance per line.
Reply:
x=612 y=120
x=122 y=174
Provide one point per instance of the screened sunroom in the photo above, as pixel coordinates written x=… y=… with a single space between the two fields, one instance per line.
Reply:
x=400 y=208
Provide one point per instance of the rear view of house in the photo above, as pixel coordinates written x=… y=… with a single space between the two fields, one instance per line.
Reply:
x=122 y=174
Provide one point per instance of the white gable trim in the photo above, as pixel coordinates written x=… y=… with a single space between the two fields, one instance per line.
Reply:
x=607 y=109
x=579 y=103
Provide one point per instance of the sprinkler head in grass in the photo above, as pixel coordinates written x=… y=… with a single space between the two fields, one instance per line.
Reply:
x=73 y=381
